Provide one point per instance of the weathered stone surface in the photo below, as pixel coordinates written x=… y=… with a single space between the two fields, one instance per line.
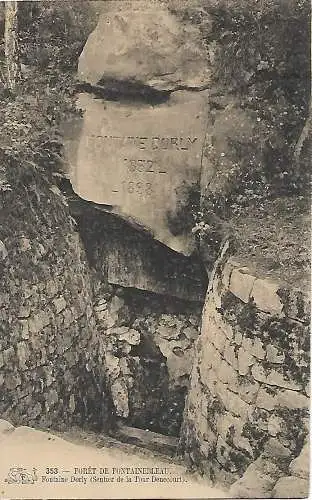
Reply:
x=241 y=284
x=274 y=450
x=274 y=355
x=120 y=398
x=245 y=361
x=150 y=266
x=5 y=428
x=257 y=481
x=264 y=402
x=248 y=390
x=147 y=46
x=300 y=465
x=291 y=487
x=142 y=160
x=265 y=296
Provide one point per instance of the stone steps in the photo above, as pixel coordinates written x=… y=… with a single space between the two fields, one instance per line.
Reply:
x=166 y=445
x=130 y=440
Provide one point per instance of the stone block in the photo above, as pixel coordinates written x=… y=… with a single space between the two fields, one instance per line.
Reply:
x=131 y=336
x=300 y=465
x=228 y=375
x=119 y=394
x=274 y=450
x=141 y=43
x=297 y=304
x=258 y=372
x=291 y=487
x=277 y=378
x=191 y=332
x=219 y=339
x=266 y=400
x=67 y=318
x=265 y=296
x=248 y=390
x=274 y=355
x=257 y=349
x=241 y=284
x=245 y=361
x=51 y=288
x=275 y=425
x=59 y=304
x=238 y=338
x=230 y=429
x=292 y=399
x=23 y=353
x=232 y=401
x=5 y=428
x=142 y=160
x=257 y=481
x=230 y=356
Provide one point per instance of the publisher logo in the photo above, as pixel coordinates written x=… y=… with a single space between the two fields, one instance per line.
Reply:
x=20 y=475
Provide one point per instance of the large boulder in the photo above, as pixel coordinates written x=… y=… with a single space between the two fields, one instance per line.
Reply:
x=142 y=160
x=144 y=43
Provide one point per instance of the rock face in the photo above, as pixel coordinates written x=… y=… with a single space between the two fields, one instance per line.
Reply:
x=143 y=160
x=144 y=43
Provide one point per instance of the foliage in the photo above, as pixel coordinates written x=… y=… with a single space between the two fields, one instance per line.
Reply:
x=260 y=59
x=51 y=35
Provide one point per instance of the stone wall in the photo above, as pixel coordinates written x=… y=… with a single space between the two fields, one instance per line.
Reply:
x=51 y=371
x=148 y=345
x=248 y=404
x=146 y=319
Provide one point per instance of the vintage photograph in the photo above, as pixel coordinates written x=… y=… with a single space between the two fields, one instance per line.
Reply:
x=155 y=249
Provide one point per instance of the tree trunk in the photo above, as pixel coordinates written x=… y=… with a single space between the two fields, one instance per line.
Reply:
x=11 y=44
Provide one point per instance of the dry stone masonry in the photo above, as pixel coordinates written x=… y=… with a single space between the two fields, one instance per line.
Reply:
x=51 y=370
x=247 y=411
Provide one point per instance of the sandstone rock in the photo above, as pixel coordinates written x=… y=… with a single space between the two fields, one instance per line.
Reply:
x=300 y=465
x=5 y=428
x=142 y=160
x=131 y=336
x=248 y=390
x=274 y=355
x=257 y=481
x=59 y=304
x=148 y=46
x=228 y=375
x=245 y=361
x=119 y=393
x=274 y=450
x=22 y=354
x=275 y=377
x=275 y=425
x=291 y=487
x=265 y=296
x=230 y=356
x=191 y=332
x=241 y=284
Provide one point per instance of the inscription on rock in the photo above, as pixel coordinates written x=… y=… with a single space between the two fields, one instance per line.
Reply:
x=143 y=160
